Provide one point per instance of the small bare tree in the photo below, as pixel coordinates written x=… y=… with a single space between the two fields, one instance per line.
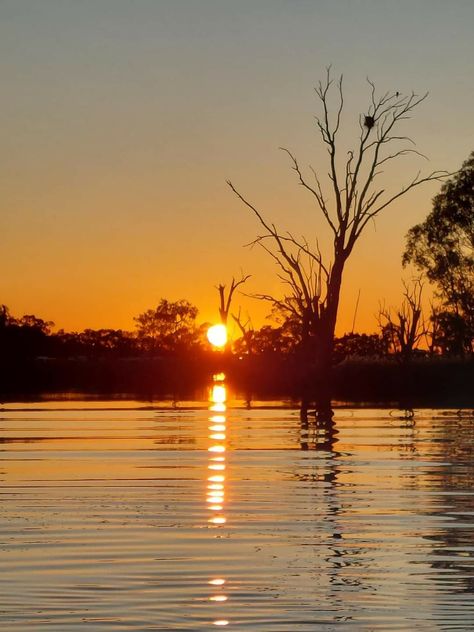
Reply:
x=405 y=328
x=315 y=284
x=246 y=329
x=225 y=301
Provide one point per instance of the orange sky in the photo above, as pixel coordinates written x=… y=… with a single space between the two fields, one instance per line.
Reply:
x=123 y=120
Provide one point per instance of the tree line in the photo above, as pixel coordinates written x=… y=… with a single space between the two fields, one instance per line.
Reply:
x=441 y=248
x=349 y=198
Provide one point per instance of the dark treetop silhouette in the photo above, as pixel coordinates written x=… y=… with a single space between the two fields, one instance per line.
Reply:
x=314 y=284
x=443 y=247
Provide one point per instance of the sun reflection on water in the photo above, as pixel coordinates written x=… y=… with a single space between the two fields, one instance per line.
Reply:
x=215 y=488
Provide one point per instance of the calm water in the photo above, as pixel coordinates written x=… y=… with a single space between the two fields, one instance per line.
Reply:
x=116 y=516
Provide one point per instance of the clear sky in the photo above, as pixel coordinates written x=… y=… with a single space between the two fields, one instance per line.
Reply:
x=122 y=119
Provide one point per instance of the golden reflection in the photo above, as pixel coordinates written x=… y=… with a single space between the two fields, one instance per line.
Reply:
x=218 y=598
x=218 y=436
x=218 y=407
x=219 y=394
x=216 y=582
x=218 y=520
x=217 y=419
x=215 y=487
x=216 y=448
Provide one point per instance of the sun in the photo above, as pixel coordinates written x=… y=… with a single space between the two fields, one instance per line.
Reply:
x=217 y=335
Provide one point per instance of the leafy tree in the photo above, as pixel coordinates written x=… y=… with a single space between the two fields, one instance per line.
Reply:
x=353 y=199
x=34 y=323
x=105 y=342
x=359 y=346
x=450 y=333
x=5 y=317
x=443 y=247
x=266 y=340
x=171 y=326
x=27 y=336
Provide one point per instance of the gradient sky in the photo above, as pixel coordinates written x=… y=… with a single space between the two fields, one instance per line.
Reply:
x=122 y=119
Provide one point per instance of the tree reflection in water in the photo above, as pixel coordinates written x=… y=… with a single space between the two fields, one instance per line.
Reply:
x=316 y=433
x=339 y=561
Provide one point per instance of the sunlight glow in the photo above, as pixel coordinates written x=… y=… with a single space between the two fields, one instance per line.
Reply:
x=213 y=500
x=216 y=448
x=221 y=622
x=217 y=419
x=217 y=582
x=218 y=408
x=217 y=335
x=218 y=598
x=218 y=520
x=219 y=394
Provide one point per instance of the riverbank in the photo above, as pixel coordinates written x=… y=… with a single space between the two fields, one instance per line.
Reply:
x=424 y=382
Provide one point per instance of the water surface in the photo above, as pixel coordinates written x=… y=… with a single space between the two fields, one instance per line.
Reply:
x=124 y=516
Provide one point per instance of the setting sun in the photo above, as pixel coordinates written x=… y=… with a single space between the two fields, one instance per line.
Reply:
x=217 y=335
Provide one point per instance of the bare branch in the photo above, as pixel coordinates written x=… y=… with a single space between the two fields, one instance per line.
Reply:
x=435 y=175
x=317 y=193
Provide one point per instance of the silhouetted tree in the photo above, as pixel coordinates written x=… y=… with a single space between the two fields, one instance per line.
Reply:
x=5 y=317
x=267 y=340
x=27 y=336
x=450 y=333
x=107 y=342
x=359 y=346
x=225 y=300
x=33 y=322
x=171 y=326
x=243 y=345
x=404 y=327
x=443 y=247
x=314 y=284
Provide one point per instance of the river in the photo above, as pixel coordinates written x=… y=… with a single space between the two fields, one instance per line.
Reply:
x=127 y=515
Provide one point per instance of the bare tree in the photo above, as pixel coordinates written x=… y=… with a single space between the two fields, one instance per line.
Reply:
x=405 y=327
x=225 y=301
x=246 y=329
x=314 y=284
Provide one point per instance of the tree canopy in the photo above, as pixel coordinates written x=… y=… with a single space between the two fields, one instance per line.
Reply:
x=168 y=327
x=443 y=248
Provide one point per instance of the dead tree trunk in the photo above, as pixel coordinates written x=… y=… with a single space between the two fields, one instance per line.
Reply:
x=313 y=284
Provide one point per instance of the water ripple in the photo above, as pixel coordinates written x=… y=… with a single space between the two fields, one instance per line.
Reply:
x=154 y=518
